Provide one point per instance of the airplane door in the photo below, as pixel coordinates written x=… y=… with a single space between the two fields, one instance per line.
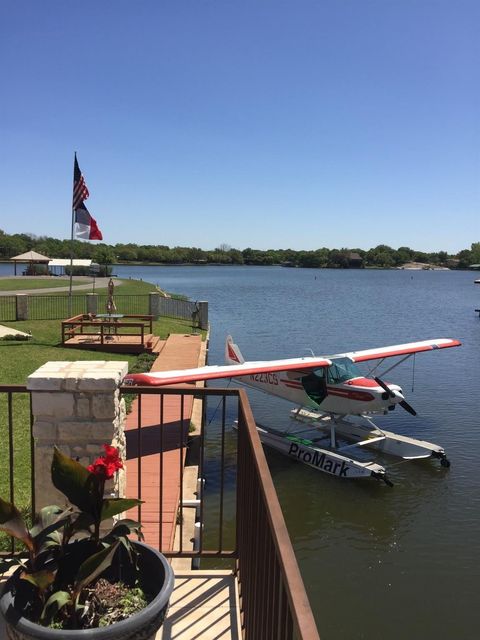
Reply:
x=315 y=385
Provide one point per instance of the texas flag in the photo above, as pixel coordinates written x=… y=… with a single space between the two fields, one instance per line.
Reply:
x=85 y=226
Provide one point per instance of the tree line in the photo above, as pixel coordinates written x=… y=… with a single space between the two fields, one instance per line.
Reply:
x=381 y=256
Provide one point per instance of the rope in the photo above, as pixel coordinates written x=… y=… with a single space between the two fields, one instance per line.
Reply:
x=413 y=373
x=219 y=403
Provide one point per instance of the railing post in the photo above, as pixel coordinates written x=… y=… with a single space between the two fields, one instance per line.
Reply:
x=203 y=314
x=21 y=304
x=92 y=303
x=77 y=407
x=154 y=305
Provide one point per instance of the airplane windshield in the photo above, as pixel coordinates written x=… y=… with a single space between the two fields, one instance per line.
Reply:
x=341 y=370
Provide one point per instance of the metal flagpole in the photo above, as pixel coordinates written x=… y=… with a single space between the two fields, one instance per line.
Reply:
x=71 y=244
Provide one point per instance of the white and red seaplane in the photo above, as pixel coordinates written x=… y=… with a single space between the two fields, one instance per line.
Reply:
x=335 y=403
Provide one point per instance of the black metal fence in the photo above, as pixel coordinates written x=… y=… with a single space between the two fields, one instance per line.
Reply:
x=182 y=309
x=8 y=308
x=54 y=307
x=126 y=304
x=17 y=470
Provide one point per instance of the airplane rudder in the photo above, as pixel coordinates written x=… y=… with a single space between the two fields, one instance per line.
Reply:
x=232 y=352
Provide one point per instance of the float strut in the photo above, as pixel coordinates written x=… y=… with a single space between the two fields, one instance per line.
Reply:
x=384 y=477
x=444 y=461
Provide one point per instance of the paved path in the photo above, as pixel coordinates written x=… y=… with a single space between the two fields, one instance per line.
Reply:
x=8 y=331
x=100 y=283
x=167 y=433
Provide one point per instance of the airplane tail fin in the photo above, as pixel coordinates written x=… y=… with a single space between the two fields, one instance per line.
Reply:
x=232 y=352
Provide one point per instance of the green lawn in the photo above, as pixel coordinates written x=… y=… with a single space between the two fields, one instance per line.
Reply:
x=20 y=284
x=19 y=359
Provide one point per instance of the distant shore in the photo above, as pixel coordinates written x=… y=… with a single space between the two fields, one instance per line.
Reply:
x=411 y=266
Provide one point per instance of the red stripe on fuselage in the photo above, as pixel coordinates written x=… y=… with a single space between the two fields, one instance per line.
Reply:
x=291 y=383
x=361 y=396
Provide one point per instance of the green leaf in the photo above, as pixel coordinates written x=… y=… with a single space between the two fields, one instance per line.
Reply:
x=53 y=605
x=12 y=522
x=124 y=528
x=48 y=522
x=93 y=567
x=81 y=487
x=131 y=525
x=46 y=517
x=82 y=522
x=113 y=506
x=40 y=579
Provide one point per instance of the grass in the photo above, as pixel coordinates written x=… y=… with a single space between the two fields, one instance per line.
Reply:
x=20 y=284
x=19 y=359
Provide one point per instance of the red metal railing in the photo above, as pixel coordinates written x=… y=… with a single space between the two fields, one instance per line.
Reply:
x=246 y=523
x=240 y=518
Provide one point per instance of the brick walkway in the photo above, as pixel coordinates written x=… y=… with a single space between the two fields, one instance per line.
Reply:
x=178 y=352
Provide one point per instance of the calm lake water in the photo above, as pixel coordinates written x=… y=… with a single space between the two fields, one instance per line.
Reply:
x=378 y=562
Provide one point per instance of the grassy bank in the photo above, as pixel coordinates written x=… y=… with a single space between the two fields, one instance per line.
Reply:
x=20 y=284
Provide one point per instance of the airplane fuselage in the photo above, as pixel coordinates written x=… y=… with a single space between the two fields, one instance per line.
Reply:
x=355 y=396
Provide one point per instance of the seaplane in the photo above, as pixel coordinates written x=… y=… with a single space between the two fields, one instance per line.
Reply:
x=332 y=423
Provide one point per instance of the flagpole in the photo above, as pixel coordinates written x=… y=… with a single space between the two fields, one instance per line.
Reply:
x=71 y=246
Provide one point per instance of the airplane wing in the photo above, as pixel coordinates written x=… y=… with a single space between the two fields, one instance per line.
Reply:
x=181 y=376
x=212 y=372
x=400 y=349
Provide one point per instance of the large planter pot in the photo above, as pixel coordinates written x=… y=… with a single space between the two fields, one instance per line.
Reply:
x=155 y=576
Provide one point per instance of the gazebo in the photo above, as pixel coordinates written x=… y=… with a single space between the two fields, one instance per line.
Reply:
x=31 y=257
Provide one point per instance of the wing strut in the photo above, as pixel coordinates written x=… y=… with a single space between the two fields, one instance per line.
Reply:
x=393 y=365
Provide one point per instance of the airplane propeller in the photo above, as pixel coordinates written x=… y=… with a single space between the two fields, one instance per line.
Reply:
x=391 y=394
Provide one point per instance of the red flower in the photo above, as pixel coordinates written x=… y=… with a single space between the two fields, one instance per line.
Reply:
x=106 y=465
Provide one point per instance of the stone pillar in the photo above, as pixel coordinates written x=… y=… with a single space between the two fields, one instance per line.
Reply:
x=203 y=315
x=76 y=406
x=21 y=301
x=154 y=305
x=92 y=303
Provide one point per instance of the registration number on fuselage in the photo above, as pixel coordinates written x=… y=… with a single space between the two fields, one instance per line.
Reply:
x=265 y=378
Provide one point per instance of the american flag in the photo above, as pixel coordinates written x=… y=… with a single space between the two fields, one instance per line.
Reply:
x=80 y=191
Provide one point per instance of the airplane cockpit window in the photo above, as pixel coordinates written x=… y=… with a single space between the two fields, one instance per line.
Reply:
x=341 y=370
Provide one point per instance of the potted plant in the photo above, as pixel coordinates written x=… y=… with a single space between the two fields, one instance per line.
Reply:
x=78 y=580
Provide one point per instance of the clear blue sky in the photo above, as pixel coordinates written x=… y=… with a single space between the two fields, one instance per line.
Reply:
x=254 y=123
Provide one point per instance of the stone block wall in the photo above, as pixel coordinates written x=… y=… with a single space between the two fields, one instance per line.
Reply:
x=21 y=304
x=92 y=303
x=77 y=407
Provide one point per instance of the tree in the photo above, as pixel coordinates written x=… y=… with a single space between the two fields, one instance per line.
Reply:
x=11 y=246
x=339 y=259
x=475 y=253
x=105 y=256
x=465 y=259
